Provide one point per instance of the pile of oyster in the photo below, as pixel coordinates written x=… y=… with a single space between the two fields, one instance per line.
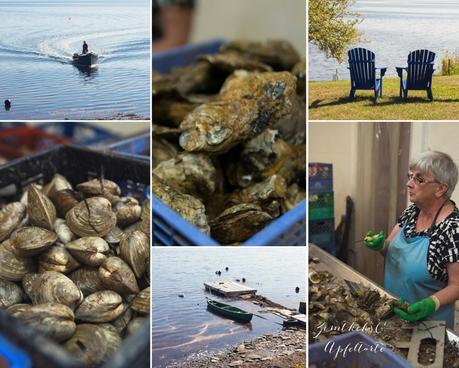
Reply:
x=229 y=138
x=74 y=264
x=334 y=309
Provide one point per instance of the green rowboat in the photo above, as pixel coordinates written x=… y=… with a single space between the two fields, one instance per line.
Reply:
x=228 y=311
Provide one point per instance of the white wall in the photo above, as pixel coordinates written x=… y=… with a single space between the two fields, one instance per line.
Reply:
x=438 y=136
x=336 y=143
x=251 y=19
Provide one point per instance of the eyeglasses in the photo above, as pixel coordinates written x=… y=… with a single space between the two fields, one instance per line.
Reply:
x=419 y=180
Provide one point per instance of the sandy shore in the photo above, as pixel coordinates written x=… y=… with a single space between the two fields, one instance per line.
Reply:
x=284 y=349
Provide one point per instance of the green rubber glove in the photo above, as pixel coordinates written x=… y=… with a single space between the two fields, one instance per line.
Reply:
x=419 y=310
x=375 y=241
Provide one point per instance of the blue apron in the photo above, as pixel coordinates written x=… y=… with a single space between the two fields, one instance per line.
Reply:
x=406 y=274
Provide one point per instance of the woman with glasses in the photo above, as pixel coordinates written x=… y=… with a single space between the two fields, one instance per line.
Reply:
x=422 y=250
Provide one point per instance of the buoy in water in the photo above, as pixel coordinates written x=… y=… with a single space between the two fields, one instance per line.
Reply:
x=297 y=289
x=7 y=104
x=243 y=279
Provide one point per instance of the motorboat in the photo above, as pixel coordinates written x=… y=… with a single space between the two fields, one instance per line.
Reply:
x=85 y=60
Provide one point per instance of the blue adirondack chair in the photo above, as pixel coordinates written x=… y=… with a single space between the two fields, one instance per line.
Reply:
x=418 y=73
x=363 y=72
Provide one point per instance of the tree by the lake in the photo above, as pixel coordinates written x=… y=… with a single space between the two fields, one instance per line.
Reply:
x=333 y=26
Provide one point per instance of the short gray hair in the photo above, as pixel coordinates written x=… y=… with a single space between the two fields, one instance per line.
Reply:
x=440 y=165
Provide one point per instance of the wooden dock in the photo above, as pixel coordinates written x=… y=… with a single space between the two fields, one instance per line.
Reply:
x=228 y=288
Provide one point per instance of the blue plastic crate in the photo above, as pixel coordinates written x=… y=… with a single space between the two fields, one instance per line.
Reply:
x=319 y=353
x=82 y=134
x=12 y=355
x=165 y=61
x=137 y=147
x=169 y=229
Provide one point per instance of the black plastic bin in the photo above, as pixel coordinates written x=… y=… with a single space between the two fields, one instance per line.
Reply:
x=77 y=165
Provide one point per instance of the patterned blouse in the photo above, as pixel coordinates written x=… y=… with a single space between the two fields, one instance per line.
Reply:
x=444 y=240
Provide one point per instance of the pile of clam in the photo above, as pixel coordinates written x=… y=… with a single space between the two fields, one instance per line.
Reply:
x=229 y=138
x=74 y=264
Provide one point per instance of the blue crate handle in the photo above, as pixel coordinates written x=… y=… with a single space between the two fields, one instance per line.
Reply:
x=165 y=61
x=15 y=357
x=133 y=147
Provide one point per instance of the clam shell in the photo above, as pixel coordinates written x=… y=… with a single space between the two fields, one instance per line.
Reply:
x=134 y=325
x=58 y=259
x=57 y=183
x=135 y=250
x=101 y=306
x=63 y=232
x=87 y=280
x=93 y=344
x=51 y=319
x=96 y=187
x=116 y=275
x=32 y=240
x=123 y=320
x=141 y=303
x=10 y=294
x=114 y=236
x=12 y=266
x=90 y=250
x=91 y=217
x=65 y=200
x=40 y=209
x=127 y=211
x=27 y=283
x=54 y=287
x=10 y=217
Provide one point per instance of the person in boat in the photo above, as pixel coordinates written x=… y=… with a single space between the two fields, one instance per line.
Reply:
x=85 y=47
x=422 y=251
x=172 y=21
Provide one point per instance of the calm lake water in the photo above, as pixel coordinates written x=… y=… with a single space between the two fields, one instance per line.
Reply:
x=394 y=28
x=37 y=41
x=182 y=326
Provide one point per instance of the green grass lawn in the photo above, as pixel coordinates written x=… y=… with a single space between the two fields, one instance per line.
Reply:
x=330 y=101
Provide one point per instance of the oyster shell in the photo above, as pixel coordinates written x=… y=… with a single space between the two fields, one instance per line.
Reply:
x=141 y=303
x=89 y=250
x=231 y=61
x=189 y=173
x=12 y=266
x=93 y=344
x=266 y=194
x=54 y=287
x=58 y=259
x=51 y=319
x=63 y=232
x=127 y=211
x=87 y=280
x=101 y=306
x=91 y=217
x=263 y=156
x=162 y=150
x=239 y=223
x=31 y=240
x=11 y=216
x=10 y=294
x=190 y=208
x=279 y=54
x=248 y=104
x=40 y=209
x=135 y=250
x=116 y=275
